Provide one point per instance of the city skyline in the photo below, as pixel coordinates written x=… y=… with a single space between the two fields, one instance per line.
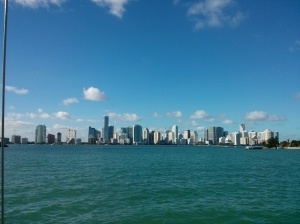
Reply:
x=194 y=64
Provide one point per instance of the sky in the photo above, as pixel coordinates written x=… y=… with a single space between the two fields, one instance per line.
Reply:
x=191 y=63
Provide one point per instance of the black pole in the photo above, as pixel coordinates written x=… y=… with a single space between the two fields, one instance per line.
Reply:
x=3 y=104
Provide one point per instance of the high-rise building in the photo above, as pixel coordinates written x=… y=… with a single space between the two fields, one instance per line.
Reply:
x=212 y=134
x=93 y=135
x=50 y=139
x=58 y=138
x=137 y=134
x=111 y=130
x=186 y=134
x=146 y=136
x=156 y=137
x=16 y=139
x=105 y=128
x=242 y=127
x=40 y=134
x=71 y=136
x=194 y=136
x=24 y=140
x=175 y=131
x=130 y=133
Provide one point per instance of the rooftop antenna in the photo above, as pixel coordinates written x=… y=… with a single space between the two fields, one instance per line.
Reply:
x=3 y=103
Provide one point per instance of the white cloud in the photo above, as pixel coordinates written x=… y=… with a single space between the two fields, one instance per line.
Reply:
x=124 y=116
x=93 y=94
x=70 y=101
x=62 y=115
x=227 y=121
x=38 y=3
x=40 y=114
x=262 y=116
x=16 y=90
x=79 y=120
x=215 y=13
x=174 y=114
x=116 y=7
x=200 y=114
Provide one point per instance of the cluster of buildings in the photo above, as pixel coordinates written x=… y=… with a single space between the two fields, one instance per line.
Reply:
x=137 y=135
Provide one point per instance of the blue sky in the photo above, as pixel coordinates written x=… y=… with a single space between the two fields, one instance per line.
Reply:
x=192 y=63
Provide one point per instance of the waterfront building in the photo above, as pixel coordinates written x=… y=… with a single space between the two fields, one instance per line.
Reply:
x=24 y=140
x=50 y=139
x=5 y=140
x=93 y=135
x=171 y=138
x=137 y=134
x=130 y=133
x=111 y=131
x=71 y=137
x=194 y=136
x=235 y=138
x=212 y=134
x=242 y=127
x=105 y=128
x=175 y=132
x=16 y=139
x=222 y=140
x=157 y=137
x=146 y=136
x=58 y=138
x=186 y=134
x=268 y=134
x=40 y=134
x=151 y=137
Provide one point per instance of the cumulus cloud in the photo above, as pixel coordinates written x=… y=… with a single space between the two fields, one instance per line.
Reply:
x=70 y=101
x=200 y=114
x=39 y=114
x=93 y=94
x=116 y=7
x=16 y=90
x=124 y=116
x=79 y=120
x=174 y=114
x=62 y=115
x=38 y=3
x=262 y=116
x=215 y=13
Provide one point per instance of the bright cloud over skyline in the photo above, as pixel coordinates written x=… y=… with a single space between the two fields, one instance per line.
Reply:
x=93 y=94
x=192 y=63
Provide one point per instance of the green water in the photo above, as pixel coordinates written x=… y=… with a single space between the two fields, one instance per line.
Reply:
x=151 y=184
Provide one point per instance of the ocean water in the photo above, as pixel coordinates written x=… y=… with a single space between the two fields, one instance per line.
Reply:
x=151 y=184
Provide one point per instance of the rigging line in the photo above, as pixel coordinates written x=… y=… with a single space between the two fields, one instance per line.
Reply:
x=3 y=104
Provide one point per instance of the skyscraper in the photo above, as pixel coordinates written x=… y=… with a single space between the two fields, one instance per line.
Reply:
x=242 y=127
x=137 y=133
x=105 y=128
x=111 y=130
x=40 y=134
x=71 y=136
x=58 y=138
x=212 y=134
x=175 y=131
